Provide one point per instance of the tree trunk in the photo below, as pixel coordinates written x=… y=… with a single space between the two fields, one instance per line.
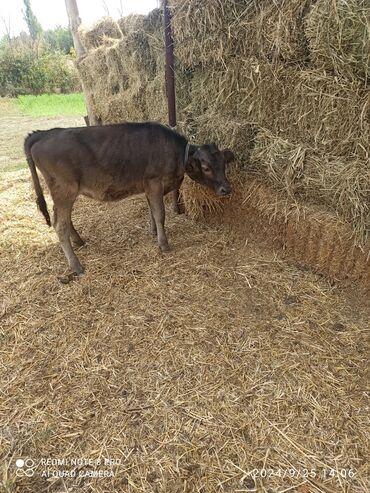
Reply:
x=74 y=23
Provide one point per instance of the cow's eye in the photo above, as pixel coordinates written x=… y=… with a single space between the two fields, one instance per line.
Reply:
x=206 y=168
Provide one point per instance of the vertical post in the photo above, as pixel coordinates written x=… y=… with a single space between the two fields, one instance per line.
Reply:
x=170 y=91
x=74 y=23
x=170 y=68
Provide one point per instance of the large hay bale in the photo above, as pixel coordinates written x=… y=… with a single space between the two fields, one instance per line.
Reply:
x=339 y=37
x=304 y=106
x=93 y=68
x=124 y=69
x=129 y=105
x=225 y=131
x=144 y=38
x=247 y=65
x=210 y=31
x=104 y=31
x=307 y=107
x=280 y=161
x=342 y=187
x=323 y=112
x=278 y=31
x=131 y=23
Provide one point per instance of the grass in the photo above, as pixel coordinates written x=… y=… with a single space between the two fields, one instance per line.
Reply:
x=20 y=116
x=52 y=105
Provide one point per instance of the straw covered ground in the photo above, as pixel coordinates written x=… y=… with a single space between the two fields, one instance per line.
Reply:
x=221 y=366
x=203 y=370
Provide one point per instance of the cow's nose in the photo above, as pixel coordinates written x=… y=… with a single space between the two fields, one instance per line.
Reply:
x=224 y=190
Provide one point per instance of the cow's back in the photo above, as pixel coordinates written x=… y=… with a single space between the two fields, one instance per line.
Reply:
x=112 y=161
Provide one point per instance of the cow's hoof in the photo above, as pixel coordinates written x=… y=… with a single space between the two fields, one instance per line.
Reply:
x=165 y=248
x=68 y=278
x=78 y=270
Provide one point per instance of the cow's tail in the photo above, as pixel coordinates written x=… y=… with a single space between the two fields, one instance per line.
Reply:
x=40 y=199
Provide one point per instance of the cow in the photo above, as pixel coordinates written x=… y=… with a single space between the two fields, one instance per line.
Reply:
x=111 y=162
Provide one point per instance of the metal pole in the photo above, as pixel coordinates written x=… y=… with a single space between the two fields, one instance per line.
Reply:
x=170 y=90
x=170 y=71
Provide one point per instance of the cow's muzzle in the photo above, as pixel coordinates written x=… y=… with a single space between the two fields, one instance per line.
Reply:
x=224 y=189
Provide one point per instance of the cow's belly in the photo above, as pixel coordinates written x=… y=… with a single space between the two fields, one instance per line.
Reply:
x=107 y=190
x=112 y=191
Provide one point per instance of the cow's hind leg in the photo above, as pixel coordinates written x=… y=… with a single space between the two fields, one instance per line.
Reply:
x=177 y=204
x=63 y=227
x=153 y=227
x=154 y=194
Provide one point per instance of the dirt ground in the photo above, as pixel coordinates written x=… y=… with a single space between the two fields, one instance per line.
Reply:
x=218 y=367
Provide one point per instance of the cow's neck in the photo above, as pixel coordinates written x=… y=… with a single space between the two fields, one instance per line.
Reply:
x=189 y=151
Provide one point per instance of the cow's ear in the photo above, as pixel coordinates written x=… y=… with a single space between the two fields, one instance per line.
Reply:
x=228 y=155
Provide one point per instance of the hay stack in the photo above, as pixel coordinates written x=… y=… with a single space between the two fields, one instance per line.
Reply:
x=103 y=32
x=258 y=65
x=304 y=174
x=131 y=23
x=212 y=31
x=121 y=71
x=293 y=73
x=339 y=37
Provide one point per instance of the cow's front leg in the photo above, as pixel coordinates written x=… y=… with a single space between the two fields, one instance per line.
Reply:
x=154 y=195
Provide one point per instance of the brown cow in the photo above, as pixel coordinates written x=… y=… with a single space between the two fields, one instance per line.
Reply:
x=111 y=162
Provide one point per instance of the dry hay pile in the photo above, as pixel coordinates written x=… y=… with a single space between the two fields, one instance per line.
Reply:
x=214 y=31
x=296 y=72
x=124 y=66
x=104 y=30
x=194 y=369
x=284 y=84
x=121 y=66
x=339 y=37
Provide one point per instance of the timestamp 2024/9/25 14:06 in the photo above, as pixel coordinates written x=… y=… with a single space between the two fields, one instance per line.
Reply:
x=309 y=473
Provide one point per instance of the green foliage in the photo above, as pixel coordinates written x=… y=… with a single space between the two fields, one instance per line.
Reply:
x=59 y=39
x=34 y=27
x=27 y=70
x=41 y=62
x=52 y=105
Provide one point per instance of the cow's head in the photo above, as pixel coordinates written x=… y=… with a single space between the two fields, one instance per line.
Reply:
x=206 y=165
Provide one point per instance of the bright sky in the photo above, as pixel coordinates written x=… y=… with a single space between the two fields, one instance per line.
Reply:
x=51 y=13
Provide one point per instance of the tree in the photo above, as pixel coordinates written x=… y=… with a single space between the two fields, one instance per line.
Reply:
x=59 y=39
x=34 y=27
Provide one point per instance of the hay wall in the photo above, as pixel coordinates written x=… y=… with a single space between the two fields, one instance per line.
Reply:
x=285 y=84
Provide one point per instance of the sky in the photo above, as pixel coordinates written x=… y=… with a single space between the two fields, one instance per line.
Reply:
x=51 y=13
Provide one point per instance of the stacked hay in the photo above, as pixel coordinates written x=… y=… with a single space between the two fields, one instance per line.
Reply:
x=285 y=84
x=339 y=37
x=103 y=31
x=123 y=68
x=295 y=71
